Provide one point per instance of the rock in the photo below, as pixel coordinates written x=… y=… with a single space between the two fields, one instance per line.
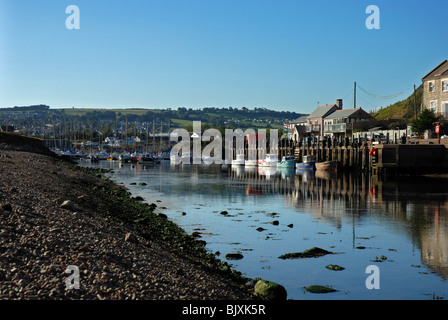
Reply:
x=142 y=184
x=319 y=289
x=251 y=283
x=234 y=256
x=6 y=207
x=275 y=222
x=152 y=206
x=162 y=215
x=270 y=290
x=68 y=204
x=310 y=253
x=224 y=213
x=290 y=225
x=183 y=213
x=334 y=267
x=138 y=198
x=129 y=237
x=259 y=229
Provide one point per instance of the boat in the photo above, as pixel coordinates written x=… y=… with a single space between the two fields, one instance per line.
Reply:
x=251 y=163
x=287 y=162
x=102 y=155
x=124 y=158
x=327 y=165
x=185 y=158
x=239 y=161
x=146 y=159
x=271 y=160
x=308 y=163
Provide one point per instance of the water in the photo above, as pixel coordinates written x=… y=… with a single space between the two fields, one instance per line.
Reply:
x=398 y=225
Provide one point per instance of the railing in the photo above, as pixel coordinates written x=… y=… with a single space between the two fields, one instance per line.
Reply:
x=308 y=128
x=341 y=127
x=313 y=128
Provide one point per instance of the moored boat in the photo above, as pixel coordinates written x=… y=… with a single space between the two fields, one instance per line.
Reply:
x=146 y=159
x=251 y=163
x=287 y=162
x=271 y=160
x=308 y=163
x=124 y=158
x=239 y=161
x=327 y=165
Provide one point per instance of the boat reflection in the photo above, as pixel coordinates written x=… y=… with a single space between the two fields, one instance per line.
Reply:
x=418 y=203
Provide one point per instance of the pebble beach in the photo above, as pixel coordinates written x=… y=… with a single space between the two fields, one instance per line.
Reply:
x=54 y=215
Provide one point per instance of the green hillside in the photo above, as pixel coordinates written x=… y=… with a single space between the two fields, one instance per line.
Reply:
x=402 y=110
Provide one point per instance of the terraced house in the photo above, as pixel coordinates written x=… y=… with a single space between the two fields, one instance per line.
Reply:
x=331 y=120
x=435 y=90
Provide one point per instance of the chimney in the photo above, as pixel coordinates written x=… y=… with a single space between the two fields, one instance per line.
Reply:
x=339 y=103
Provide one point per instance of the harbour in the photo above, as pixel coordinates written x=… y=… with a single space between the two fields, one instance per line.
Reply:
x=395 y=224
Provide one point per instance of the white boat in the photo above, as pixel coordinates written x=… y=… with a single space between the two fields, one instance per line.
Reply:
x=287 y=162
x=239 y=161
x=185 y=158
x=251 y=163
x=271 y=160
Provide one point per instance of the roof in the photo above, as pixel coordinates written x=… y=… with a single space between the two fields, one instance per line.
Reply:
x=439 y=71
x=345 y=113
x=322 y=111
x=300 y=120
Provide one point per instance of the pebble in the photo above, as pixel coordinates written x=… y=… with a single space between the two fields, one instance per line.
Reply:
x=39 y=240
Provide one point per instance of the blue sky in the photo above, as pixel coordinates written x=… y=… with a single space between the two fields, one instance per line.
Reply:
x=283 y=54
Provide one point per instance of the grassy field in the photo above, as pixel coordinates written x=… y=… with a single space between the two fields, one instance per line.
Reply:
x=83 y=111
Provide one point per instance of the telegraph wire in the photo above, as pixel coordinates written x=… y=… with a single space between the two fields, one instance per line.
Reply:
x=392 y=96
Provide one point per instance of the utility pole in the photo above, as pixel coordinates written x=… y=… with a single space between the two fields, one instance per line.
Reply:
x=354 y=98
x=415 y=104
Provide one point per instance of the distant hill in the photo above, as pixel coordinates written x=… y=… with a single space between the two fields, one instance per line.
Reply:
x=242 y=118
x=401 y=110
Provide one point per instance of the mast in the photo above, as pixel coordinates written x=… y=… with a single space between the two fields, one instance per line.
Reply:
x=161 y=130
x=354 y=98
x=153 y=136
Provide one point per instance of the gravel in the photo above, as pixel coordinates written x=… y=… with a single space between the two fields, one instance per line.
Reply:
x=39 y=240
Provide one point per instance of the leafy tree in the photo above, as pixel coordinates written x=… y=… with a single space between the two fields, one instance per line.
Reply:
x=424 y=121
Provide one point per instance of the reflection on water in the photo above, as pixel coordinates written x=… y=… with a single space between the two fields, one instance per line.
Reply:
x=355 y=215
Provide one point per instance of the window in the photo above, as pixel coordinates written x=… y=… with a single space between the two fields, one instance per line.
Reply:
x=434 y=106
x=445 y=109
x=431 y=87
x=445 y=85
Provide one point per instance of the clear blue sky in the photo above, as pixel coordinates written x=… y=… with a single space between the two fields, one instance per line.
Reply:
x=282 y=54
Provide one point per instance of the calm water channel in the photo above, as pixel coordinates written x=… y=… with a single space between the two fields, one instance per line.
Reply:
x=399 y=225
